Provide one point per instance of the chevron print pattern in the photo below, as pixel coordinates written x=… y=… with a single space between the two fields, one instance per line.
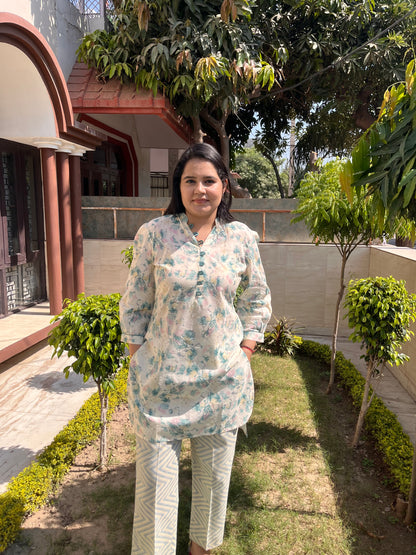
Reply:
x=156 y=498
x=212 y=460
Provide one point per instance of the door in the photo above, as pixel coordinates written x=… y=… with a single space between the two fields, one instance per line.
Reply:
x=22 y=260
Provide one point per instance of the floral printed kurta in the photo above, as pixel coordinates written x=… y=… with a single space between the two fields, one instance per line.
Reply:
x=190 y=377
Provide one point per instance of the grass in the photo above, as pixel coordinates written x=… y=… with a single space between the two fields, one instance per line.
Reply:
x=296 y=487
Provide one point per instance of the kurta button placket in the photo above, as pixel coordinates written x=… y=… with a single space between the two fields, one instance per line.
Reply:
x=200 y=274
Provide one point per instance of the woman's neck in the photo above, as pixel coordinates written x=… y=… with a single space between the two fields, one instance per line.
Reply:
x=201 y=228
x=198 y=224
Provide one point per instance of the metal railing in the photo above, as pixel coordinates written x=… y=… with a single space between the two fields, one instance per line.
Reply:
x=117 y=210
x=93 y=8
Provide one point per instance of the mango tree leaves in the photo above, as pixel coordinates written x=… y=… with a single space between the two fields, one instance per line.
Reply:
x=384 y=159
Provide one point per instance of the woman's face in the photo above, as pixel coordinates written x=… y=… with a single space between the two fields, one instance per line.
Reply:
x=201 y=190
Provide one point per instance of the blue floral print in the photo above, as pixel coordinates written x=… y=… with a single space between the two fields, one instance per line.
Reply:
x=190 y=377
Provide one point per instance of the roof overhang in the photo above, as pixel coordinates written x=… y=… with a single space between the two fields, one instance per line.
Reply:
x=90 y=95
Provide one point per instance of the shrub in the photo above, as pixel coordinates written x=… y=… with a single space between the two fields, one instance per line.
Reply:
x=380 y=311
x=281 y=339
x=127 y=255
x=89 y=330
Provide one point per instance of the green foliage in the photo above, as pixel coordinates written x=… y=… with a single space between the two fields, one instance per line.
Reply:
x=385 y=156
x=202 y=55
x=128 y=255
x=380 y=311
x=29 y=490
x=281 y=340
x=389 y=437
x=89 y=330
x=338 y=65
x=11 y=516
x=257 y=174
x=330 y=215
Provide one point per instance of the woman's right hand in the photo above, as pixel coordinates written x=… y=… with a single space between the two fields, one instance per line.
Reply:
x=133 y=348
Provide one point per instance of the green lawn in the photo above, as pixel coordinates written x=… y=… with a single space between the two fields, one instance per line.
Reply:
x=296 y=488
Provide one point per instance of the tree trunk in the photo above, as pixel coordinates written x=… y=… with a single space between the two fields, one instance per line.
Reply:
x=219 y=127
x=365 y=403
x=197 y=135
x=336 y=324
x=276 y=171
x=362 y=116
x=410 y=514
x=103 y=424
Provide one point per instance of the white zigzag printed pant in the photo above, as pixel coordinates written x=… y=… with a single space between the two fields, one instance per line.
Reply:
x=156 y=498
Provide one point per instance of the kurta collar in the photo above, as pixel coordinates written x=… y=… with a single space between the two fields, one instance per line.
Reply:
x=218 y=229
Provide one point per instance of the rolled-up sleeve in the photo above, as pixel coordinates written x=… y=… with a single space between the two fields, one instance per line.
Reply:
x=136 y=305
x=254 y=303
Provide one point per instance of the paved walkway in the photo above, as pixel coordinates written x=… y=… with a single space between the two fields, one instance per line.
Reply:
x=37 y=401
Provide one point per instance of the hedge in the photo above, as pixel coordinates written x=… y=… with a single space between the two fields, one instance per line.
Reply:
x=391 y=441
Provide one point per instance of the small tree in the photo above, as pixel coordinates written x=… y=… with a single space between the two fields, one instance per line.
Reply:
x=89 y=330
x=331 y=217
x=380 y=311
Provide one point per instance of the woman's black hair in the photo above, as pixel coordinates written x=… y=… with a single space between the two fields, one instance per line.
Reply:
x=204 y=151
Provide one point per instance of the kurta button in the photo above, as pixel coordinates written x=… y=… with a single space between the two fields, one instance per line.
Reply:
x=199 y=282
x=198 y=293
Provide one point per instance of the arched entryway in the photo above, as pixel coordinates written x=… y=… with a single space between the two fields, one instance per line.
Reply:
x=41 y=146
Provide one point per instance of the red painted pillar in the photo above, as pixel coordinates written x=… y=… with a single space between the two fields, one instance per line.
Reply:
x=53 y=251
x=76 y=215
x=64 y=202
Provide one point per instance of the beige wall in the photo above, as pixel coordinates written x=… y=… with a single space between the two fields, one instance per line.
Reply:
x=399 y=262
x=103 y=267
x=303 y=278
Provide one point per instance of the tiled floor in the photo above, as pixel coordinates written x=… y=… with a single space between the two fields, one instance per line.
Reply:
x=28 y=321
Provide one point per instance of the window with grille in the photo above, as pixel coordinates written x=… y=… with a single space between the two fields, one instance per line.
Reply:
x=159 y=186
x=93 y=7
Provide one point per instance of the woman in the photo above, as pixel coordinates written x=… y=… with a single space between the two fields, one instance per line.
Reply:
x=190 y=350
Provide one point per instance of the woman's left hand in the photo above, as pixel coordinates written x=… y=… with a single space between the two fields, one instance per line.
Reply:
x=248 y=347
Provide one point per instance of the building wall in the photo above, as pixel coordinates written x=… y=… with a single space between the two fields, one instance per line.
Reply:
x=399 y=262
x=305 y=280
x=59 y=21
x=120 y=217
